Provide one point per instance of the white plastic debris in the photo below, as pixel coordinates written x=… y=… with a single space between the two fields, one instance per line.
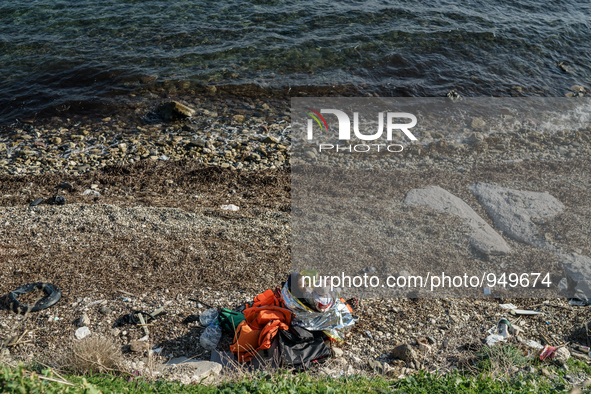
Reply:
x=508 y=306
x=82 y=332
x=498 y=333
x=230 y=207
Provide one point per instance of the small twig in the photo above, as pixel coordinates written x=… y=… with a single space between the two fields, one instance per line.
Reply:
x=18 y=343
x=201 y=302
x=64 y=381
x=56 y=380
x=53 y=370
x=125 y=292
x=545 y=339
x=190 y=358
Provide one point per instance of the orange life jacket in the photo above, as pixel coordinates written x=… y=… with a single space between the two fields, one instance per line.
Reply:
x=262 y=322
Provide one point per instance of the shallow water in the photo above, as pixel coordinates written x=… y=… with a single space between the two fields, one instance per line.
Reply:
x=57 y=52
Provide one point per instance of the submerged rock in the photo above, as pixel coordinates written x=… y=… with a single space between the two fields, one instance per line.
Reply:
x=174 y=110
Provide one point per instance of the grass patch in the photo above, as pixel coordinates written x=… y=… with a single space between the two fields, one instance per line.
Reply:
x=19 y=380
x=500 y=360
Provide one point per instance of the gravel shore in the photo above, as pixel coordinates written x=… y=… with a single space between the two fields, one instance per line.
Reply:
x=151 y=232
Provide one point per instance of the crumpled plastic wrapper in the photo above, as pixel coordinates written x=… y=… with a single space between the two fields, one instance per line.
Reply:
x=335 y=322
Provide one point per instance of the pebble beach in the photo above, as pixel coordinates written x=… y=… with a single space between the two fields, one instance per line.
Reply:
x=152 y=232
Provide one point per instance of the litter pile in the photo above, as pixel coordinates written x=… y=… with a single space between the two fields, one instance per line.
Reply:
x=288 y=326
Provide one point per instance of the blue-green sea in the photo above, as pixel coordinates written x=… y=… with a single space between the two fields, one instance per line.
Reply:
x=54 y=52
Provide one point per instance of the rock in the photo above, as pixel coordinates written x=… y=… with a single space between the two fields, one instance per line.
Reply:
x=204 y=369
x=82 y=332
x=230 y=207
x=579 y=269
x=512 y=210
x=483 y=237
x=310 y=154
x=476 y=138
x=90 y=192
x=105 y=310
x=453 y=95
x=561 y=356
x=376 y=366
x=173 y=110
x=65 y=186
x=115 y=332
x=239 y=118
x=336 y=352
x=545 y=372
x=198 y=370
x=403 y=352
x=478 y=123
x=83 y=321
x=138 y=346
x=424 y=348
x=270 y=140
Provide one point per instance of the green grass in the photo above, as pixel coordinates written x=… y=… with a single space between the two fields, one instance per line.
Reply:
x=480 y=381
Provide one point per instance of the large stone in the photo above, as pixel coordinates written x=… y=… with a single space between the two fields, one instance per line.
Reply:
x=173 y=110
x=512 y=211
x=404 y=352
x=483 y=237
x=579 y=269
x=197 y=370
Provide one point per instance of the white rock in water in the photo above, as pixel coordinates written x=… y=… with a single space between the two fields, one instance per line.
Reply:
x=230 y=207
x=512 y=210
x=483 y=237
x=82 y=332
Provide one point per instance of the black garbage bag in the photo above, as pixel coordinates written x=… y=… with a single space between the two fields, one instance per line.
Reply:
x=301 y=348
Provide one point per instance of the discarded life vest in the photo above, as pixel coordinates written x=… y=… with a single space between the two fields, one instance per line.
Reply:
x=261 y=323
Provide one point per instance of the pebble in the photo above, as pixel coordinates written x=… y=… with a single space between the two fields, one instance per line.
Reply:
x=138 y=346
x=90 y=192
x=83 y=321
x=105 y=310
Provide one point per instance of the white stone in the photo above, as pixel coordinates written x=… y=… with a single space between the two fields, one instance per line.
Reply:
x=90 y=192
x=230 y=207
x=512 y=211
x=483 y=237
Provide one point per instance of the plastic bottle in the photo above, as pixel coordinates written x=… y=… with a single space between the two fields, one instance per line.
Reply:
x=211 y=336
x=208 y=317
